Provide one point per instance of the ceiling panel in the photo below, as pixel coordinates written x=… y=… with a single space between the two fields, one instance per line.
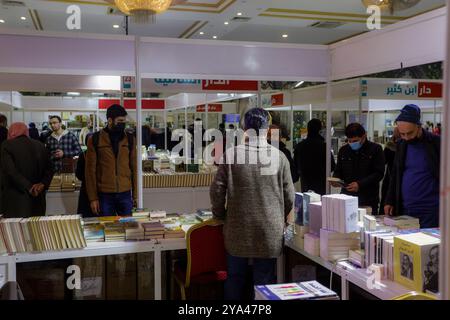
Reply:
x=268 y=19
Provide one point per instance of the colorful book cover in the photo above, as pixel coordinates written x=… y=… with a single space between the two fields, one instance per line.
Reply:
x=416 y=261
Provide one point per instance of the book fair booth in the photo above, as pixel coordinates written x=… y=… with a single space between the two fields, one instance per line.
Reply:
x=225 y=86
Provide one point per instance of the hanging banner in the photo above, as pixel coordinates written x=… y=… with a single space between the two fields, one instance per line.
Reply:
x=130 y=104
x=277 y=100
x=229 y=85
x=402 y=89
x=215 y=107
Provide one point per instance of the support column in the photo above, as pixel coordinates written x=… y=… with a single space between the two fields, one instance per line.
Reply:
x=328 y=137
x=140 y=198
x=444 y=209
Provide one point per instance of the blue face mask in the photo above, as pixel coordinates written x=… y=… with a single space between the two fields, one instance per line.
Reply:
x=355 y=145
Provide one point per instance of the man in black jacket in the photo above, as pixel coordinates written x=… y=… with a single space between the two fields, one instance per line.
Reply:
x=361 y=165
x=414 y=185
x=310 y=159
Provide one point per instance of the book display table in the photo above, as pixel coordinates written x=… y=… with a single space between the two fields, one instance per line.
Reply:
x=8 y=262
x=363 y=278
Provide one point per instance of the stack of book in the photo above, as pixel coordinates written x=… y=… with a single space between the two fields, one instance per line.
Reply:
x=153 y=230
x=340 y=213
x=416 y=263
x=114 y=232
x=309 y=290
x=55 y=185
x=402 y=222
x=134 y=231
x=68 y=182
x=315 y=217
x=173 y=230
x=189 y=219
x=335 y=246
x=312 y=244
x=93 y=230
x=42 y=233
x=309 y=197
x=204 y=215
x=158 y=214
x=357 y=257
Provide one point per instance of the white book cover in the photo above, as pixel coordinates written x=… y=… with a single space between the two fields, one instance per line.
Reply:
x=351 y=219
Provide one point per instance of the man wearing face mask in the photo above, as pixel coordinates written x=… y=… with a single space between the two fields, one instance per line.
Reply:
x=111 y=181
x=360 y=164
x=414 y=185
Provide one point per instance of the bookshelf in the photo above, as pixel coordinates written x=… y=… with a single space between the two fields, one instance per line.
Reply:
x=384 y=289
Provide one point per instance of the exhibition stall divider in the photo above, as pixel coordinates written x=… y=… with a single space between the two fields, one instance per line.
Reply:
x=26 y=52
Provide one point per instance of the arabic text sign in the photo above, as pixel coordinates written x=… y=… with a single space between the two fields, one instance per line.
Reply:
x=401 y=89
x=229 y=85
x=430 y=89
x=211 y=108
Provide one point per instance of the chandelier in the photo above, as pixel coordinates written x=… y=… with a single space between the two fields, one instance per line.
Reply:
x=143 y=11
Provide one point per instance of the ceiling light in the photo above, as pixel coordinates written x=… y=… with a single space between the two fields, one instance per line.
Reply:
x=215 y=37
x=143 y=11
x=285 y=36
x=116 y=26
x=2 y=21
x=23 y=18
x=239 y=13
x=299 y=84
x=73 y=93
x=226 y=23
x=202 y=33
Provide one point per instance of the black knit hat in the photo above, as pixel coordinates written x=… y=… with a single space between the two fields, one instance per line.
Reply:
x=116 y=110
x=410 y=113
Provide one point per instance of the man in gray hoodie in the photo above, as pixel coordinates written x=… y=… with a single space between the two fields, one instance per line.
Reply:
x=253 y=199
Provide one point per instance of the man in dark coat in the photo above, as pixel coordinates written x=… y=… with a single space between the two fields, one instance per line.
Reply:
x=26 y=174
x=361 y=165
x=310 y=159
x=414 y=185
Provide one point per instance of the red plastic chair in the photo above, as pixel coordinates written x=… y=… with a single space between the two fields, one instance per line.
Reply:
x=206 y=258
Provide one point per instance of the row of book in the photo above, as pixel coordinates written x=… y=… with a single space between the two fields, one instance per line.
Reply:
x=65 y=182
x=177 y=180
x=36 y=234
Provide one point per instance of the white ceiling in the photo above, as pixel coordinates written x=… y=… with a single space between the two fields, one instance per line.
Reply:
x=270 y=19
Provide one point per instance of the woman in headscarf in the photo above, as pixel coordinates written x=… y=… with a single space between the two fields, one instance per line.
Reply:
x=33 y=131
x=26 y=174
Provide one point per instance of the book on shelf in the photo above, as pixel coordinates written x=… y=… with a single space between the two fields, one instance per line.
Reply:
x=114 y=232
x=158 y=214
x=46 y=233
x=298 y=208
x=312 y=244
x=335 y=246
x=189 y=219
x=94 y=232
x=309 y=290
x=308 y=197
x=315 y=217
x=416 y=261
x=340 y=213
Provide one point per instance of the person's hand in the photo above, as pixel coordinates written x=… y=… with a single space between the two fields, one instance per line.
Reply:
x=37 y=189
x=388 y=210
x=59 y=154
x=353 y=187
x=95 y=207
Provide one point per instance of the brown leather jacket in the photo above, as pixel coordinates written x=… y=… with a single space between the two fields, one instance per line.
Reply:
x=105 y=173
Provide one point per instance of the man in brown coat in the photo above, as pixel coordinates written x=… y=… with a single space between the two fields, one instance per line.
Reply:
x=111 y=167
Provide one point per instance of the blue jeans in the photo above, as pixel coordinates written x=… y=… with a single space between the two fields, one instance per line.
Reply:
x=428 y=219
x=112 y=204
x=263 y=273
